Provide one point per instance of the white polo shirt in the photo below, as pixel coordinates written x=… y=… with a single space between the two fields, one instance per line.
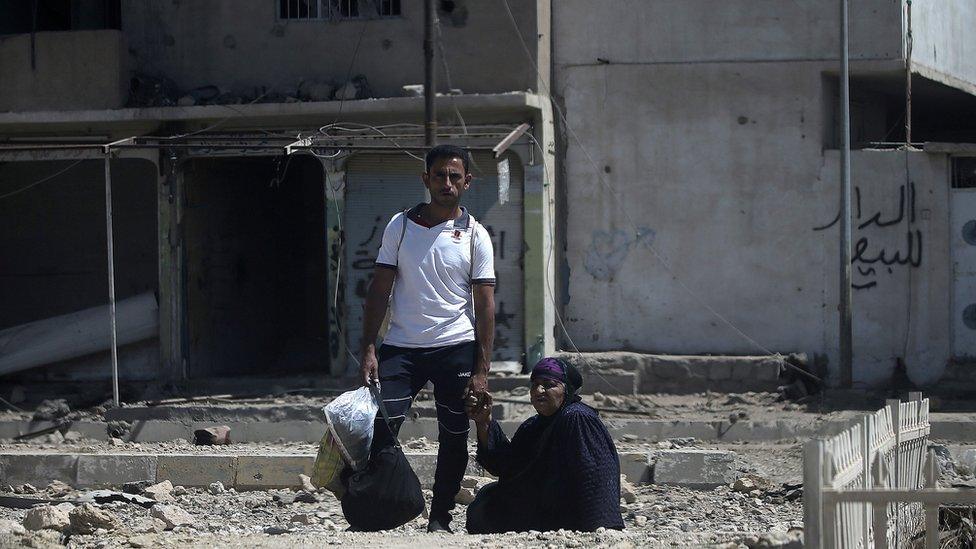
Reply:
x=432 y=305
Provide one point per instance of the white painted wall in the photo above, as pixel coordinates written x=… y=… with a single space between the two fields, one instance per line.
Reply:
x=944 y=44
x=706 y=144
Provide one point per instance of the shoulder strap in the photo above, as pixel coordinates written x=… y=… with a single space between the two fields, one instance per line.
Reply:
x=474 y=234
x=375 y=389
x=403 y=232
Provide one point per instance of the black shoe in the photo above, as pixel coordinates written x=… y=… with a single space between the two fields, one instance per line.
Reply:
x=437 y=525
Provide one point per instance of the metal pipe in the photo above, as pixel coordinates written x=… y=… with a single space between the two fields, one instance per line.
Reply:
x=846 y=316
x=111 y=278
x=909 y=43
x=430 y=112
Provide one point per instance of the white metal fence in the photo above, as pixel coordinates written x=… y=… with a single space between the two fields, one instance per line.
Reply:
x=876 y=483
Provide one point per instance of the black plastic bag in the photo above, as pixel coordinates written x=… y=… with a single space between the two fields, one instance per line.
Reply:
x=386 y=494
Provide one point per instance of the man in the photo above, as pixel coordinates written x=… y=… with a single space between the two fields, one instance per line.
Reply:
x=442 y=324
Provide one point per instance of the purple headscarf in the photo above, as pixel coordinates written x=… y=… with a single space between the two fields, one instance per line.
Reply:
x=557 y=370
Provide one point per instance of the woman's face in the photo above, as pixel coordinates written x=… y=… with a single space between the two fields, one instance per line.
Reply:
x=547 y=395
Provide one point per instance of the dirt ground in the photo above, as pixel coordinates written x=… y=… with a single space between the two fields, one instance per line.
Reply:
x=726 y=516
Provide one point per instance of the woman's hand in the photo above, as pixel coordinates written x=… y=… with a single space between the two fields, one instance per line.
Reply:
x=479 y=409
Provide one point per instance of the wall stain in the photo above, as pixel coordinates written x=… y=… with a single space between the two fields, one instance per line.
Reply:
x=609 y=249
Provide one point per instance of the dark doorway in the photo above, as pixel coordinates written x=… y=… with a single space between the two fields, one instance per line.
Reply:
x=255 y=267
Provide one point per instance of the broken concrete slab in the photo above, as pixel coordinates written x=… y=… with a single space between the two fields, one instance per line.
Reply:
x=684 y=373
x=114 y=469
x=87 y=518
x=263 y=472
x=41 y=468
x=47 y=517
x=693 y=468
x=196 y=470
x=172 y=516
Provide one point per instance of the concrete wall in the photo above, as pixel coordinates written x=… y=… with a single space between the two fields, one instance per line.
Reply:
x=241 y=44
x=701 y=176
x=72 y=70
x=660 y=31
x=944 y=45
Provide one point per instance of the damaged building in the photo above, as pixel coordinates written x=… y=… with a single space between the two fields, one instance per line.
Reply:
x=673 y=193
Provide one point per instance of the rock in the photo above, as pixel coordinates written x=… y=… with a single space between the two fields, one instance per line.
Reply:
x=87 y=518
x=627 y=492
x=47 y=517
x=640 y=520
x=276 y=530
x=305 y=497
x=8 y=526
x=186 y=101
x=682 y=442
x=115 y=441
x=630 y=437
x=329 y=525
x=212 y=436
x=306 y=483
x=694 y=468
x=117 y=429
x=141 y=541
x=418 y=443
x=161 y=491
x=216 y=488
x=476 y=483
x=751 y=484
x=779 y=540
x=58 y=489
x=179 y=491
x=966 y=462
x=49 y=410
x=302 y=518
x=172 y=516
x=25 y=489
x=54 y=438
x=464 y=496
x=73 y=436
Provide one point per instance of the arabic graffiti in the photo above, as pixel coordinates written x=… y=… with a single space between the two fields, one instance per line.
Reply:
x=866 y=256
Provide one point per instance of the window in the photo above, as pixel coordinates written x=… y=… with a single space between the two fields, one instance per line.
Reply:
x=388 y=8
x=21 y=16
x=964 y=172
x=311 y=10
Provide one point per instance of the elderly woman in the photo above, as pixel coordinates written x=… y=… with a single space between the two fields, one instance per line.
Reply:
x=560 y=470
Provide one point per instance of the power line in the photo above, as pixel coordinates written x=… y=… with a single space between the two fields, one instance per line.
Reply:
x=39 y=181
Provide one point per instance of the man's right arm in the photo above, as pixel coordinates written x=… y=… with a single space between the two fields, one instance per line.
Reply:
x=377 y=301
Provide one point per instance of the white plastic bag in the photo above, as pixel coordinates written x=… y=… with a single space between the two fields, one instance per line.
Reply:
x=350 y=416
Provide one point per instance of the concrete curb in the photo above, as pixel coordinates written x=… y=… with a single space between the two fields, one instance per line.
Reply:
x=242 y=472
x=647 y=429
x=651 y=430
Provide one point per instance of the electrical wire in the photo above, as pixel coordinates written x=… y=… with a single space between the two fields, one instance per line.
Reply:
x=447 y=74
x=222 y=121
x=42 y=180
x=352 y=63
x=637 y=231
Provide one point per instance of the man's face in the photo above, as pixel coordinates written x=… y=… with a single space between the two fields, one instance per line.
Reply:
x=446 y=182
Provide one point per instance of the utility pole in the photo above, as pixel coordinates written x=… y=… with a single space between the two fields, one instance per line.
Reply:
x=430 y=112
x=846 y=316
